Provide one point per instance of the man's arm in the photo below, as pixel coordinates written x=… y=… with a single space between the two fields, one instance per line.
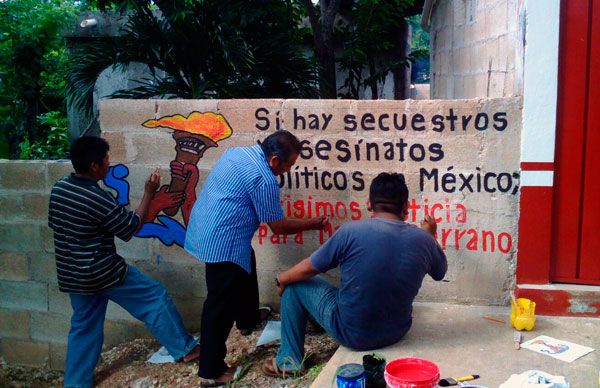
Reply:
x=439 y=263
x=302 y=271
x=291 y=226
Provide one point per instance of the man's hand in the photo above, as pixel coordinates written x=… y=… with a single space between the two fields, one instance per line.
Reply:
x=319 y=223
x=429 y=225
x=300 y=272
x=152 y=183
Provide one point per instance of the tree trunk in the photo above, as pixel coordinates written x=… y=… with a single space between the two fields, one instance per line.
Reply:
x=373 y=83
x=322 y=28
x=402 y=72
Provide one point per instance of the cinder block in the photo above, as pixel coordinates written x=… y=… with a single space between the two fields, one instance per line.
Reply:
x=458 y=13
x=13 y=266
x=136 y=248
x=122 y=115
x=118 y=147
x=155 y=147
x=58 y=356
x=184 y=107
x=59 y=302
x=23 y=175
x=172 y=254
x=21 y=237
x=49 y=327
x=497 y=81
x=498 y=21
x=57 y=169
x=116 y=332
x=252 y=116
x=190 y=310
x=480 y=85
x=11 y=206
x=47 y=239
x=42 y=267
x=118 y=313
x=35 y=206
x=183 y=280
x=23 y=295
x=14 y=324
x=20 y=352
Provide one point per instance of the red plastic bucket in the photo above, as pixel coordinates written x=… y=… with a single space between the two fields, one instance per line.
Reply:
x=411 y=373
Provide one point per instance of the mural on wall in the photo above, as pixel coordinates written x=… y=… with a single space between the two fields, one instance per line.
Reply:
x=458 y=160
x=193 y=135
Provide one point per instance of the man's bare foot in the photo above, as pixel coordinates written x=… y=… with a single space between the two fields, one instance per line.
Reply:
x=192 y=355
x=229 y=376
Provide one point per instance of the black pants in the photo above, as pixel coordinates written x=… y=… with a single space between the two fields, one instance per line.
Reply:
x=232 y=297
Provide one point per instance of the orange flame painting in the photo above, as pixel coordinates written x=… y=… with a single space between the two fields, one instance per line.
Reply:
x=193 y=135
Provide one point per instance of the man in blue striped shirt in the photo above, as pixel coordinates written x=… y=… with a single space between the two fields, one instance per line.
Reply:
x=240 y=193
x=85 y=220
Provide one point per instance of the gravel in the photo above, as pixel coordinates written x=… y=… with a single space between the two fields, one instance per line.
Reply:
x=125 y=365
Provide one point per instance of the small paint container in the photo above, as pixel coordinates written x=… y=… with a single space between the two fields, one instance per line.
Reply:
x=351 y=376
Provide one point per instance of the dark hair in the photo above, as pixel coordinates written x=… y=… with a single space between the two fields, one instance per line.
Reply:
x=388 y=193
x=87 y=150
x=282 y=144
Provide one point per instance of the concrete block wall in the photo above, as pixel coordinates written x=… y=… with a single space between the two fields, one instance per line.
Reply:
x=34 y=315
x=467 y=152
x=475 y=49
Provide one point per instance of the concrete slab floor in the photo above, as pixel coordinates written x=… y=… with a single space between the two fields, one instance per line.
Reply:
x=461 y=342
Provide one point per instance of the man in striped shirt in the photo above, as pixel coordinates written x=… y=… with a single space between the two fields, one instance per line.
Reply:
x=240 y=193
x=85 y=220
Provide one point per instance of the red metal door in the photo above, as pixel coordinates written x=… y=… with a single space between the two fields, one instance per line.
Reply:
x=576 y=218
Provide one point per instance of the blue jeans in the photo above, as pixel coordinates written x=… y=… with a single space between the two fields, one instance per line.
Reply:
x=314 y=297
x=143 y=298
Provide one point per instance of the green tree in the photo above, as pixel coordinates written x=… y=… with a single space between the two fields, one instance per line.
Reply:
x=201 y=49
x=32 y=67
x=372 y=37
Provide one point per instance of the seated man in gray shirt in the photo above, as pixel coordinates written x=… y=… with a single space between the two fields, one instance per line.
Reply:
x=382 y=261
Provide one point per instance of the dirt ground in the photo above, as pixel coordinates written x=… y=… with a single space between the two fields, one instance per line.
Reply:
x=126 y=366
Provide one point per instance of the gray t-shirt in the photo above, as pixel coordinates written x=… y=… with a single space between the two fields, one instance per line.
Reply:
x=382 y=264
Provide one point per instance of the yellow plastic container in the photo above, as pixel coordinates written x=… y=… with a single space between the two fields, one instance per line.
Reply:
x=522 y=314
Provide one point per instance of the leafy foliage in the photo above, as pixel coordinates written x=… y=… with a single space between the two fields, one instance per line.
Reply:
x=201 y=49
x=370 y=35
x=32 y=66
x=54 y=140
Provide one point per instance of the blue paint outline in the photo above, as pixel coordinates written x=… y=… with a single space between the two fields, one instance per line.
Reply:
x=168 y=230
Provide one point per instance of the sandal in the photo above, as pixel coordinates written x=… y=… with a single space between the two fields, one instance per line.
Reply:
x=264 y=315
x=215 y=383
x=270 y=368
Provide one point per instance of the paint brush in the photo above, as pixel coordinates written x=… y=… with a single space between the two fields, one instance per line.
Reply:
x=450 y=381
x=517 y=339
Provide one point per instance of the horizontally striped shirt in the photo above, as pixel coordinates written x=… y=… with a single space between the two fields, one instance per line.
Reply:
x=240 y=192
x=85 y=220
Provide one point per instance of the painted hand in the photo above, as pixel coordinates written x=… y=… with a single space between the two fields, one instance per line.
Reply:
x=164 y=200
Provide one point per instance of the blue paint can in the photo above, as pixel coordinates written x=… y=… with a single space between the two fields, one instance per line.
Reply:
x=351 y=376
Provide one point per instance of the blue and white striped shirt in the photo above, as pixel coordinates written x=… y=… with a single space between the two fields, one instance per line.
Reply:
x=240 y=192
